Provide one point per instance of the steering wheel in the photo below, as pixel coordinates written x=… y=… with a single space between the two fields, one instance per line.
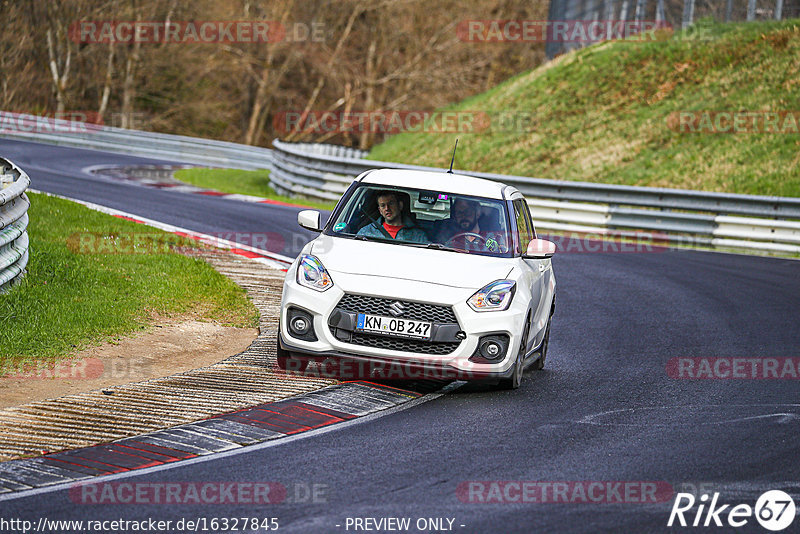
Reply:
x=466 y=234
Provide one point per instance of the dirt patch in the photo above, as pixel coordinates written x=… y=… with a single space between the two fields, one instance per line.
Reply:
x=168 y=347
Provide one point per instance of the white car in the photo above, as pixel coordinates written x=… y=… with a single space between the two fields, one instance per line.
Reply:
x=422 y=275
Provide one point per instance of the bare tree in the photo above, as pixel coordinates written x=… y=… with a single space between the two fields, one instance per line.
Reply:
x=376 y=55
x=59 y=51
x=107 y=85
x=267 y=82
x=129 y=85
x=357 y=10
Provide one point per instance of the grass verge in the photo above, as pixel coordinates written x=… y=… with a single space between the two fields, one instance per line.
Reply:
x=86 y=284
x=610 y=113
x=255 y=183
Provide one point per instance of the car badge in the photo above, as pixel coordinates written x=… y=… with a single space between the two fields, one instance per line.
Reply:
x=396 y=308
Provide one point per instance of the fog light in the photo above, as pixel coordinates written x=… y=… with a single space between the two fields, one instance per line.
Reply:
x=300 y=325
x=491 y=349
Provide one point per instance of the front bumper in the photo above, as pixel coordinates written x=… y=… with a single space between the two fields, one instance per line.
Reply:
x=348 y=366
x=327 y=321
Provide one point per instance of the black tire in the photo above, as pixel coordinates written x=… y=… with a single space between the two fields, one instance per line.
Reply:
x=514 y=381
x=538 y=365
x=292 y=363
x=287 y=361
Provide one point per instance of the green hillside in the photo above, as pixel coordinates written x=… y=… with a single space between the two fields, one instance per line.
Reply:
x=643 y=113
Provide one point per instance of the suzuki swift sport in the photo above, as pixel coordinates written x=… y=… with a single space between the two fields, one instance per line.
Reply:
x=426 y=274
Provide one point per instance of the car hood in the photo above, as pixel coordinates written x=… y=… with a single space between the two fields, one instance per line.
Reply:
x=408 y=263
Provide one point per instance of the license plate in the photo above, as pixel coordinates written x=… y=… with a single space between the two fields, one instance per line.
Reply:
x=393 y=326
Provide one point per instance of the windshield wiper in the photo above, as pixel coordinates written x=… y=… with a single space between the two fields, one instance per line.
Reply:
x=362 y=237
x=439 y=246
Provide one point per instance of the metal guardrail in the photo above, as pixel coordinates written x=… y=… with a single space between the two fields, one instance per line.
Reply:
x=13 y=224
x=693 y=217
x=179 y=148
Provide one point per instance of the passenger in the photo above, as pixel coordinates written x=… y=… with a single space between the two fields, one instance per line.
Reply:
x=396 y=225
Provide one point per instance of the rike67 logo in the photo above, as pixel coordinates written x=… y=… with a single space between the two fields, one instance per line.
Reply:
x=774 y=510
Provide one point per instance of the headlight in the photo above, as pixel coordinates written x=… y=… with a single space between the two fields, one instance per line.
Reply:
x=494 y=297
x=312 y=274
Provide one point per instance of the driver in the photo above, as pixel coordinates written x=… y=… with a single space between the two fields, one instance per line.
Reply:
x=464 y=230
x=393 y=223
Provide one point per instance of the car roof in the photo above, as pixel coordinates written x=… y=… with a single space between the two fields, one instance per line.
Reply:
x=439 y=181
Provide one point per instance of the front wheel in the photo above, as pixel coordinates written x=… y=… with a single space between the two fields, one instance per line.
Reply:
x=287 y=362
x=514 y=381
x=538 y=365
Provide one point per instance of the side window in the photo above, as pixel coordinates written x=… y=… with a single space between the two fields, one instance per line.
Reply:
x=523 y=224
x=527 y=211
x=355 y=218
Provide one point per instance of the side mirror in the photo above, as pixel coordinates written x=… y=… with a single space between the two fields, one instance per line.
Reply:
x=309 y=219
x=540 y=249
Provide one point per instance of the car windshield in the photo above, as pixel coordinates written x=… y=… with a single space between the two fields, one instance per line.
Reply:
x=423 y=218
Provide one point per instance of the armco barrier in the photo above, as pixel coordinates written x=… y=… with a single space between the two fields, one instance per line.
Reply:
x=13 y=224
x=178 y=148
x=693 y=217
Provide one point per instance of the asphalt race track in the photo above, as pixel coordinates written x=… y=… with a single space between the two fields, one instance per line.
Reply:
x=605 y=409
x=59 y=170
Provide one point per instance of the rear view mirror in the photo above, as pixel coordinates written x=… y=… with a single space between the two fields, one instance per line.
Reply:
x=540 y=249
x=309 y=219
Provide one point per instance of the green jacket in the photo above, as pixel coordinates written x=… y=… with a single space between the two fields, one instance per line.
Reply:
x=409 y=232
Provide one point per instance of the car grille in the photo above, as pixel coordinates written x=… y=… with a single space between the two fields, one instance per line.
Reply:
x=404 y=345
x=414 y=310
